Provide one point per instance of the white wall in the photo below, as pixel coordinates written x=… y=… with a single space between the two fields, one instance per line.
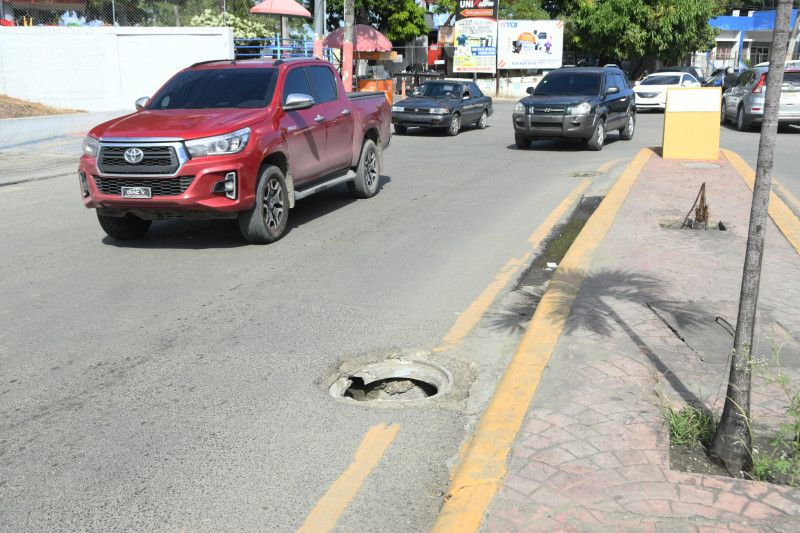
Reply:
x=104 y=68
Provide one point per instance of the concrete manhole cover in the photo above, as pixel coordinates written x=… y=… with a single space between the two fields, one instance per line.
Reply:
x=394 y=380
x=700 y=165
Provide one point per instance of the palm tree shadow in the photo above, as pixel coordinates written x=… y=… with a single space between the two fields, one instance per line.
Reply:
x=591 y=303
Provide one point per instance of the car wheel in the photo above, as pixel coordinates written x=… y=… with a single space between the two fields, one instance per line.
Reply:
x=522 y=142
x=368 y=172
x=125 y=228
x=400 y=129
x=482 y=121
x=265 y=222
x=723 y=114
x=595 y=142
x=626 y=133
x=741 y=124
x=455 y=125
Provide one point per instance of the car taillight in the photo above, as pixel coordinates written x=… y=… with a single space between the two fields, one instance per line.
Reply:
x=760 y=85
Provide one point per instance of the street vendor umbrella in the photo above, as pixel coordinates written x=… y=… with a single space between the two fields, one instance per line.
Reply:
x=368 y=39
x=284 y=8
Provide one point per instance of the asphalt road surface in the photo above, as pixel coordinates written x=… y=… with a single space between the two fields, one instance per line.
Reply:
x=180 y=382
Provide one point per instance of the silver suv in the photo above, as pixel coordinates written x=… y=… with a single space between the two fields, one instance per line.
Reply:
x=744 y=102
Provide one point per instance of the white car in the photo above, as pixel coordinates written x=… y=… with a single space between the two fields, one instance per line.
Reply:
x=651 y=92
x=792 y=63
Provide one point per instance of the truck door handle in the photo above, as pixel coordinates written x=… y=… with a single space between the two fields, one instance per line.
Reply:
x=345 y=112
x=319 y=118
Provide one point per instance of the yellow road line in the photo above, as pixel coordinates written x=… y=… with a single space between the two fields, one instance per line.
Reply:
x=483 y=466
x=607 y=166
x=783 y=217
x=328 y=510
x=472 y=315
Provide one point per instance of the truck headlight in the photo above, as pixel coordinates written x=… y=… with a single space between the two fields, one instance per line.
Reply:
x=580 y=109
x=397 y=109
x=519 y=108
x=230 y=143
x=90 y=146
x=439 y=111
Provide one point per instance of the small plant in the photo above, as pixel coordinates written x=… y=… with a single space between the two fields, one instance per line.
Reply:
x=687 y=425
x=784 y=459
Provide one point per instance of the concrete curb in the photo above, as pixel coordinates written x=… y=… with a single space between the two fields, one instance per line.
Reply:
x=483 y=468
x=14 y=131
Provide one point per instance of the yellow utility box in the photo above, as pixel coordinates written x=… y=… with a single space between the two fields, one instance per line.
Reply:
x=691 y=123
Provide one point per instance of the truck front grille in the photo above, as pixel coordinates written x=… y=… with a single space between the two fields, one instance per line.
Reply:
x=158 y=186
x=551 y=110
x=156 y=160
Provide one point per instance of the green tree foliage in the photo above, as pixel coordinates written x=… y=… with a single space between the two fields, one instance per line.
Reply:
x=399 y=20
x=243 y=27
x=665 y=29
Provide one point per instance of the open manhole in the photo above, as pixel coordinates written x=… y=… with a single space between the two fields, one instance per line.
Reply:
x=393 y=380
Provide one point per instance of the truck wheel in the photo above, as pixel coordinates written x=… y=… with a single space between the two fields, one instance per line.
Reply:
x=595 y=142
x=368 y=173
x=265 y=222
x=400 y=129
x=482 y=121
x=124 y=228
x=455 y=125
x=522 y=142
x=626 y=133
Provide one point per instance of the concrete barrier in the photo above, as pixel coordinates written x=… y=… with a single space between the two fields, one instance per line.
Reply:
x=15 y=131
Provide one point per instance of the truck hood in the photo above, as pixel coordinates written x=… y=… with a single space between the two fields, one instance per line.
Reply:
x=179 y=123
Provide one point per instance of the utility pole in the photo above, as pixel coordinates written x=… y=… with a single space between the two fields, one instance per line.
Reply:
x=347 y=44
x=790 y=52
x=732 y=444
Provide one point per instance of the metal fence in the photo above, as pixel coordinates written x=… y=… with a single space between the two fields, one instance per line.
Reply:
x=277 y=48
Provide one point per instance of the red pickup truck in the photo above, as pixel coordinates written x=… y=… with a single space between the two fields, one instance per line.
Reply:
x=226 y=139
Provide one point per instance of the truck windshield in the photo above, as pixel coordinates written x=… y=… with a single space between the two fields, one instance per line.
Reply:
x=243 y=88
x=570 y=83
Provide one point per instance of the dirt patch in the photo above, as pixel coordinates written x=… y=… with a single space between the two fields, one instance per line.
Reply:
x=16 y=108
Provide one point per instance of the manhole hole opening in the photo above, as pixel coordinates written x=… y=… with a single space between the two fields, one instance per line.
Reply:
x=396 y=380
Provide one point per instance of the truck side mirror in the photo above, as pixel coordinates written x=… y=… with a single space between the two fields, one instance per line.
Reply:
x=141 y=102
x=297 y=101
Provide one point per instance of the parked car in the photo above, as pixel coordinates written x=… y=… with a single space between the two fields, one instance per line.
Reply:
x=792 y=63
x=651 y=92
x=697 y=72
x=718 y=76
x=579 y=103
x=744 y=102
x=442 y=104
x=226 y=139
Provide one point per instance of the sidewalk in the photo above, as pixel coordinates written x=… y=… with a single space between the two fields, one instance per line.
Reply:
x=593 y=451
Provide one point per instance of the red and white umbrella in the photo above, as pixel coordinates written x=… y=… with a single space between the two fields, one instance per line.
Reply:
x=367 y=39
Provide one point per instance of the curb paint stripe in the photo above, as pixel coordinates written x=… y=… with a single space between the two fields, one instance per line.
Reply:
x=483 y=468
x=328 y=510
x=783 y=217
x=472 y=315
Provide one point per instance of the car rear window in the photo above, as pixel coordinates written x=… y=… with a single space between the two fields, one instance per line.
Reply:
x=570 y=83
x=243 y=88
x=792 y=78
x=662 y=80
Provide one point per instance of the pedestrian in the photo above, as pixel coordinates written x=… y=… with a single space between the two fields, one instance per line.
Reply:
x=729 y=79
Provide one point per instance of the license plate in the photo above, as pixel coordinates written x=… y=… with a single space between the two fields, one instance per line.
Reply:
x=136 y=192
x=790 y=98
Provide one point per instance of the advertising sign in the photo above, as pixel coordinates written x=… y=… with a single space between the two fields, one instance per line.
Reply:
x=475 y=36
x=530 y=44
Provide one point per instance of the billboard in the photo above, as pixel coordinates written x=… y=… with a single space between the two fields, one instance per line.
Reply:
x=530 y=44
x=475 y=36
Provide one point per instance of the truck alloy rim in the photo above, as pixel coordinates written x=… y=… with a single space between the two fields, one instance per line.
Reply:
x=371 y=168
x=273 y=204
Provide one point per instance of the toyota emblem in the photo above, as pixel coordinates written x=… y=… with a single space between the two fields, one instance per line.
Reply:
x=134 y=156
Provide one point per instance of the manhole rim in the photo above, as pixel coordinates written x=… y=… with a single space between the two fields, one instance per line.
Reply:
x=380 y=370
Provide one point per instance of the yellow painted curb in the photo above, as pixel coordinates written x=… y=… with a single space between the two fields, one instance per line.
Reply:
x=483 y=467
x=781 y=214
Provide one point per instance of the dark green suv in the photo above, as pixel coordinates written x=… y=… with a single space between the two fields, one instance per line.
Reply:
x=577 y=102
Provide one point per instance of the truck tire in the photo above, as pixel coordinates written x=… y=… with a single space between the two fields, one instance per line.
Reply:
x=595 y=142
x=368 y=172
x=482 y=121
x=455 y=125
x=521 y=141
x=125 y=228
x=265 y=222
x=400 y=129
